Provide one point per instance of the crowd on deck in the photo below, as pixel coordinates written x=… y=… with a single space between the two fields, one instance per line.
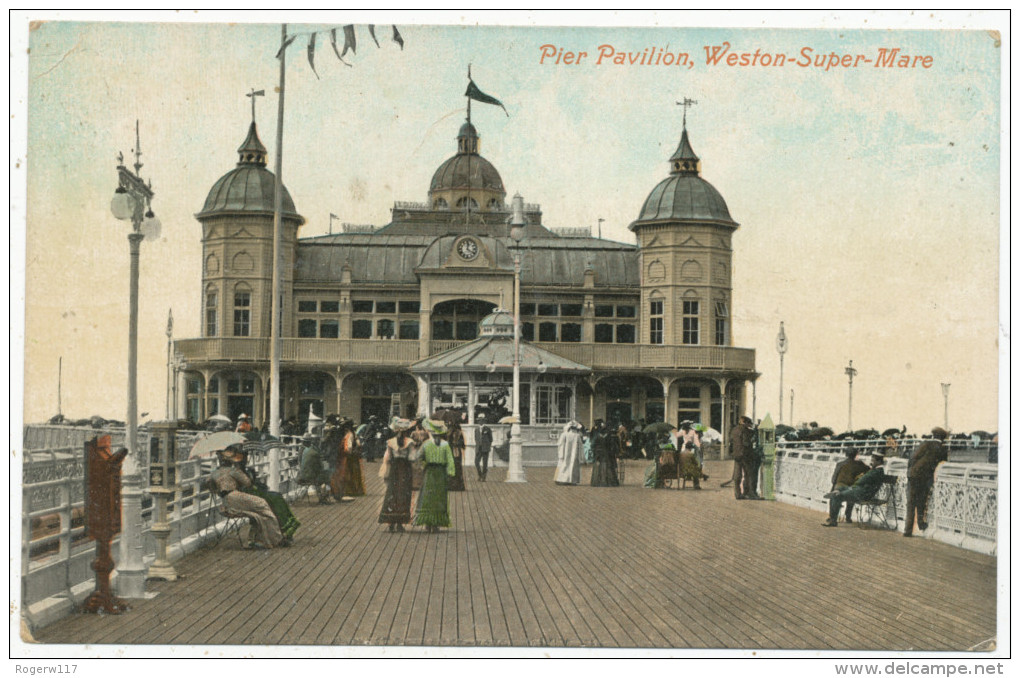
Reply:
x=422 y=460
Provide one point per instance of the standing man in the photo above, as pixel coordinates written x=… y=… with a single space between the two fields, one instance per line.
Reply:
x=742 y=449
x=483 y=446
x=921 y=478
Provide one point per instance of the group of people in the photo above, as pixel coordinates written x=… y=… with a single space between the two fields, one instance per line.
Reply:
x=853 y=481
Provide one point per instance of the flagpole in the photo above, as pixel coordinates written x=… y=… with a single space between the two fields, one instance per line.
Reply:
x=274 y=330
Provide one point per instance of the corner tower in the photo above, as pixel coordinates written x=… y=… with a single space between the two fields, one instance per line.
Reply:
x=684 y=233
x=237 y=247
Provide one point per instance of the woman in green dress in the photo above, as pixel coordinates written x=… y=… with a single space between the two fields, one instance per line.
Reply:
x=432 y=510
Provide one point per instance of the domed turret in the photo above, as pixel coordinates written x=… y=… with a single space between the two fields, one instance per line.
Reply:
x=249 y=187
x=684 y=195
x=467 y=180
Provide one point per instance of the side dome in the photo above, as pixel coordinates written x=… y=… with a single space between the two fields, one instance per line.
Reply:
x=685 y=198
x=249 y=187
x=246 y=189
x=684 y=195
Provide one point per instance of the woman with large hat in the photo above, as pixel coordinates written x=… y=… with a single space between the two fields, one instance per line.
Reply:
x=400 y=450
x=432 y=510
x=230 y=482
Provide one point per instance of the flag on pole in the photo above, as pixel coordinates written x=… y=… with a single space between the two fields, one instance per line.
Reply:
x=478 y=95
x=170 y=324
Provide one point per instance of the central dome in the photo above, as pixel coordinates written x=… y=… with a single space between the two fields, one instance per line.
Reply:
x=467 y=180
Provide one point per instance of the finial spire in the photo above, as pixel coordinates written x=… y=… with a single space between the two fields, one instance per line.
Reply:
x=138 y=151
x=251 y=95
x=686 y=103
x=468 y=97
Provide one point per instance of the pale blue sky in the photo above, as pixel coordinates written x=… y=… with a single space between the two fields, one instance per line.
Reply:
x=868 y=198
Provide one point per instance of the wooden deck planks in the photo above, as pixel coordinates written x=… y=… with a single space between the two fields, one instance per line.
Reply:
x=541 y=565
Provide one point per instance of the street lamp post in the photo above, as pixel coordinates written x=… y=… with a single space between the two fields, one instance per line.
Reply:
x=850 y=373
x=781 y=346
x=945 y=413
x=515 y=473
x=132 y=201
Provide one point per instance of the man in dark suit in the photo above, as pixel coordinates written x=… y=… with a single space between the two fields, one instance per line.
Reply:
x=483 y=445
x=921 y=478
x=864 y=488
x=742 y=451
x=844 y=476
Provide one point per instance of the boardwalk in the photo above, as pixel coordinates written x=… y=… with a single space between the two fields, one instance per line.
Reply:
x=541 y=565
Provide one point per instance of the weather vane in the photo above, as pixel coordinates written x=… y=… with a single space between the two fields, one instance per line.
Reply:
x=252 y=95
x=686 y=103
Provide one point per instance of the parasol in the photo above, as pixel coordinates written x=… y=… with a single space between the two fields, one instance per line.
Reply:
x=215 y=442
x=710 y=435
x=659 y=427
x=220 y=417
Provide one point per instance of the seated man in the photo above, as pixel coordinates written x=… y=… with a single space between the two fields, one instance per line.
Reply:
x=314 y=471
x=845 y=474
x=864 y=488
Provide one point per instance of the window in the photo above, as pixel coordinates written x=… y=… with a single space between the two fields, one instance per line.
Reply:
x=467 y=329
x=528 y=331
x=722 y=333
x=410 y=306
x=604 y=311
x=210 y=313
x=242 y=314
x=527 y=309
x=572 y=310
x=552 y=404
x=329 y=307
x=442 y=329
x=604 y=333
x=626 y=311
x=306 y=328
x=361 y=329
x=361 y=306
x=548 y=309
x=625 y=334
x=306 y=307
x=409 y=329
x=655 y=321
x=570 y=332
x=467 y=203
x=547 y=332
x=385 y=307
x=384 y=328
x=441 y=204
x=691 y=328
x=329 y=329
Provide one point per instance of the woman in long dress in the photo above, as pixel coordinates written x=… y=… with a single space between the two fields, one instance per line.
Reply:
x=354 y=479
x=433 y=511
x=457 y=445
x=400 y=450
x=603 y=445
x=569 y=450
x=231 y=482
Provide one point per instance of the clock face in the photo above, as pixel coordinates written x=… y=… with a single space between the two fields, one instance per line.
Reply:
x=467 y=249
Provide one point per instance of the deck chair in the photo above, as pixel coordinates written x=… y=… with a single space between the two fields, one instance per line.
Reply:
x=883 y=504
x=234 y=523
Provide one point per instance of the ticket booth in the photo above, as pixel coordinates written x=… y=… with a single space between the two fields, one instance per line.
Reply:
x=767 y=444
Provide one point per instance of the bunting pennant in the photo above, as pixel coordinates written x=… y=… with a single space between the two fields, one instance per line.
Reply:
x=311 y=54
x=371 y=31
x=478 y=95
x=400 y=41
x=350 y=41
x=332 y=40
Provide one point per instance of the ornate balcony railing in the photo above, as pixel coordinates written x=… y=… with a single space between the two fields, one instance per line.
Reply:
x=403 y=352
x=962 y=511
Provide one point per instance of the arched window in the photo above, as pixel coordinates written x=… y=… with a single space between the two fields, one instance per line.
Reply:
x=441 y=204
x=242 y=310
x=467 y=203
x=494 y=204
x=211 y=315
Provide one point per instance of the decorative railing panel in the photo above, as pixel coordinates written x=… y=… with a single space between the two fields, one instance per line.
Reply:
x=962 y=510
x=56 y=557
